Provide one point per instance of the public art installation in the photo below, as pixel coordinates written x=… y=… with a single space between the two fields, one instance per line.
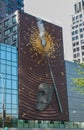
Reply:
x=42 y=76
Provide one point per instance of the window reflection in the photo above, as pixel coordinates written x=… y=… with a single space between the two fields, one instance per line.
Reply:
x=8 y=68
x=8 y=111
x=8 y=106
x=8 y=76
x=14 y=84
x=3 y=61
x=8 y=62
x=14 y=57
x=14 y=77
x=8 y=90
x=14 y=99
x=8 y=56
x=2 y=47
x=14 y=106
x=6 y=23
x=8 y=98
x=14 y=70
x=14 y=19
x=8 y=48
x=14 y=92
x=2 y=68
x=15 y=28
x=14 y=112
x=2 y=54
x=8 y=83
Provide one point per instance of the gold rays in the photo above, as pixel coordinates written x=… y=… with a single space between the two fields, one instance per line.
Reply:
x=37 y=43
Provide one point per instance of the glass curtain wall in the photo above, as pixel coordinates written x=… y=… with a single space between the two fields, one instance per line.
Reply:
x=9 y=81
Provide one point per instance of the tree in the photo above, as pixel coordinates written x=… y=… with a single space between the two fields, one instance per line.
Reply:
x=79 y=81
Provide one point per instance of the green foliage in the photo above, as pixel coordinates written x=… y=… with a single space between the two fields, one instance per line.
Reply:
x=79 y=81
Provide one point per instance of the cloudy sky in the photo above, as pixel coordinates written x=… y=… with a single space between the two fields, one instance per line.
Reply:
x=58 y=12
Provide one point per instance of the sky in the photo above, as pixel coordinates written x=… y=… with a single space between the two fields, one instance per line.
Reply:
x=58 y=12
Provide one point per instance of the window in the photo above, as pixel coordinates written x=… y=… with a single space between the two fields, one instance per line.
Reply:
x=74 y=50
x=81 y=35
x=0 y=12
x=73 y=38
x=8 y=98
x=2 y=54
x=78 y=60
x=77 y=17
x=8 y=69
x=6 y=14
x=81 y=29
x=6 y=9
x=82 y=59
x=73 y=27
x=73 y=18
x=82 y=47
x=14 y=71
x=74 y=55
x=73 y=22
x=76 y=26
x=80 y=24
x=6 y=23
x=73 y=44
x=82 y=41
x=3 y=68
x=14 y=99
x=15 y=28
x=80 y=15
x=14 y=37
x=76 y=31
x=10 y=9
x=14 y=57
x=78 y=54
x=77 y=43
x=73 y=33
x=14 y=19
x=82 y=53
x=2 y=47
x=6 y=32
x=14 y=43
x=7 y=40
x=77 y=48
x=8 y=56
x=14 y=84
x=76 y=37
x=10 y=3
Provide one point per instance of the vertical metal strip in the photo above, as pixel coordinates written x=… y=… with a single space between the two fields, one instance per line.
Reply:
x=59 y=102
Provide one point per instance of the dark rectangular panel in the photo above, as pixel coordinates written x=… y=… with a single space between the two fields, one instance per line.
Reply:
x=42 y=78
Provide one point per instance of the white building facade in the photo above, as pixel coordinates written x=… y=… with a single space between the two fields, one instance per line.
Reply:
x=77 y=32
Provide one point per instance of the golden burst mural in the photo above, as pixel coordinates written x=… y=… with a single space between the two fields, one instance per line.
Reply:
x=36 y=42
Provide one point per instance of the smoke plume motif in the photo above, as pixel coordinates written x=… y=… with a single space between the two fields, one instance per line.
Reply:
x=41 y=31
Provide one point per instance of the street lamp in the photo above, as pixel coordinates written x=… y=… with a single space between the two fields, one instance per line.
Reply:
x=3 y=100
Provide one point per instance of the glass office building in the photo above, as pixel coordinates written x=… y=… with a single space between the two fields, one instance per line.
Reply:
x=75 y=98
x=9 y=80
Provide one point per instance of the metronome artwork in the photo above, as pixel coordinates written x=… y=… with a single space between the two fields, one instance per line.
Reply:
x=42 y=77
